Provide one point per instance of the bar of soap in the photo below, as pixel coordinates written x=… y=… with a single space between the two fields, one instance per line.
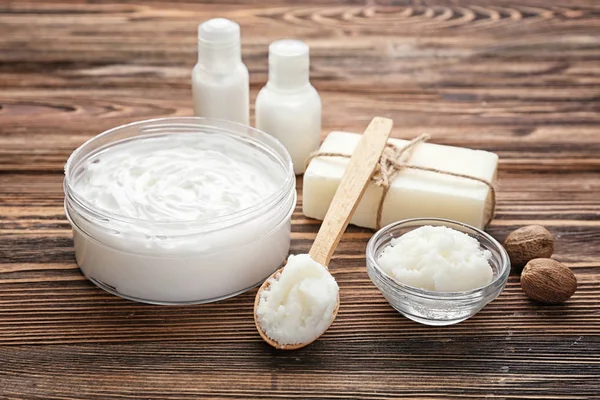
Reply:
x=413 y=193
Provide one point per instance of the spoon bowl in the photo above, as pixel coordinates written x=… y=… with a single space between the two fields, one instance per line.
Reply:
x=274 y=343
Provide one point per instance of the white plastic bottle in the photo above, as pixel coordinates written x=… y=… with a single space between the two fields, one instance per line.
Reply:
x=289 y=107
x=220 y=83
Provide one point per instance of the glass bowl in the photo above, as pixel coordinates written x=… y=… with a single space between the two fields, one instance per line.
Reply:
x=429 y=307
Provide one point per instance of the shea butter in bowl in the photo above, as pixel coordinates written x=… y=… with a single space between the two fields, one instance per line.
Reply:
x=180 y=210
x=437 y=271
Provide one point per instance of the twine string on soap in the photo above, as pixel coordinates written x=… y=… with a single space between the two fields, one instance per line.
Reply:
x=393 y=160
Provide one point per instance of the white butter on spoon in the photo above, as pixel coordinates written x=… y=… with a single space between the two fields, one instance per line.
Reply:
x=300 y=303
x=297 y=304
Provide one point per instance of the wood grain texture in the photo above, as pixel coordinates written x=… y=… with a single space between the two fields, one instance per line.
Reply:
x=520 y=78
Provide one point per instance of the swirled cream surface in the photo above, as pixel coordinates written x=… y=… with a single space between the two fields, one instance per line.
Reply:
x=180 y=177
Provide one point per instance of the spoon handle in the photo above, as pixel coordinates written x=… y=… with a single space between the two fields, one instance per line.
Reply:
x=351 y=189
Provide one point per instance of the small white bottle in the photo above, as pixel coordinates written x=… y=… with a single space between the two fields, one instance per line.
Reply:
x=220 y=84
x=289 y=107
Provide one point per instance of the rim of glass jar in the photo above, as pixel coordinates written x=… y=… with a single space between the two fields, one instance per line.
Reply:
x=274 y=149
x=178 y=254
x=496 y=283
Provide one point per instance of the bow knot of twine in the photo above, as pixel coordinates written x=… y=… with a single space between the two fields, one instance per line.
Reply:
x=393 y=160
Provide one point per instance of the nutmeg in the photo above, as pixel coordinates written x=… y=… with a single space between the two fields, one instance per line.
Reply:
x=548 y=281
x=527 y=243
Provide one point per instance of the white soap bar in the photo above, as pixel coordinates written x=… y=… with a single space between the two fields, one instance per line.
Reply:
x=413 y=193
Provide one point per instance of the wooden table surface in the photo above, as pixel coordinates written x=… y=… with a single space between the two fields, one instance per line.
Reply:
x=520 y=78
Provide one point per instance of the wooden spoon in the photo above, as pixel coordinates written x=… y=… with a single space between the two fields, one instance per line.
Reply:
x=351 y=189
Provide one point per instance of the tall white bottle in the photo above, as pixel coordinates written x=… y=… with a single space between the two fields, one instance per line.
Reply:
x=220 y=83
x=289 y=107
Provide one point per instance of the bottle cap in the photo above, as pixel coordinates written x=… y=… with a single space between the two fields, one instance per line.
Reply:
x=289 y=63
x=219 y=32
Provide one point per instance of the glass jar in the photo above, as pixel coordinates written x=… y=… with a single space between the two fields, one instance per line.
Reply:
x=188 y=261
x=429 y=307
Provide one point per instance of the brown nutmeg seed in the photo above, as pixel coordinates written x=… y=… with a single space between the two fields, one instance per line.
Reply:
x=527 y=243
x=548 y=281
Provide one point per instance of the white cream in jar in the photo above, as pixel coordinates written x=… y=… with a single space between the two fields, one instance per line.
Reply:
x=181 y=210
x=174 y=178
